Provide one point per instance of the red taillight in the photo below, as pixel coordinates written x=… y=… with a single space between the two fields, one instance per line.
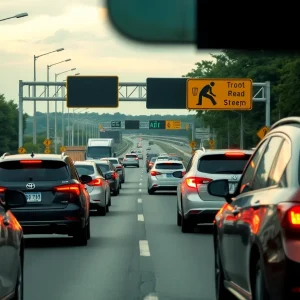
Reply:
x=118 y=167
x=69 y=188
x=124 y=158
x=2 y=189
x=235 y=154
x=154 y=173
x=183 y=173
x=136 y=158
x=95 y=182
x=193 y=182
x=114 y=175
x=289 y=215
x=30 y=161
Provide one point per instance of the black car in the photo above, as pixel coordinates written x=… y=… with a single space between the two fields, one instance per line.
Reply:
x=11 y=246
x=148 y=159
x=257 y=231
x=57 y=201
x=111 y=175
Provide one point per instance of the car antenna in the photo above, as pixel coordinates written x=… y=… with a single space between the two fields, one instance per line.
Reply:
x=32 y=154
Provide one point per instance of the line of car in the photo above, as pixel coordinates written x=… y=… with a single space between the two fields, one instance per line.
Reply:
x=50 y=194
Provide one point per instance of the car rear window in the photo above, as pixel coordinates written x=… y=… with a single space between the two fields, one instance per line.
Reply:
x=163 y=157
x=84 y=170
x=114 y=161
x=222 y=164
x=104 y=168
x=168 y=166
x=153 y=159
x=46 y=170
x=131 y=155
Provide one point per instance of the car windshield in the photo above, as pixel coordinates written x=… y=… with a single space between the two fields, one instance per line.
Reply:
x=45 y=170
x=114 y=161
x=222 y=164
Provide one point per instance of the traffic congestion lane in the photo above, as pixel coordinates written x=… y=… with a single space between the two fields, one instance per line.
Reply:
x=109 y=267
x=183 y=263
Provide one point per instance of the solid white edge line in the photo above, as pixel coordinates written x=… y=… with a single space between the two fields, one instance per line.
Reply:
x=140 y=218
x=144 y=248
x=139 y=200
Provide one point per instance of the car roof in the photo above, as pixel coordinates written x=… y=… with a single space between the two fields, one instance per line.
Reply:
x=169 y=162
x=84 y=162
x=14 y=157
x=98 y=161
x=223 y=151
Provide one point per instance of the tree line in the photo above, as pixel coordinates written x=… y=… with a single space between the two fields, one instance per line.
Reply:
x=281 y=69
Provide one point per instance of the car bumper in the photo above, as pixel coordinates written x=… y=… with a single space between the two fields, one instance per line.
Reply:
x=60 y=221
x=199 y=211
x=162 y=184
x=131 y=164
x=97 y=198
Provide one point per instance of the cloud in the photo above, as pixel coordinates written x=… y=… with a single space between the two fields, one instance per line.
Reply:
x=47 y=8
x=63 y=36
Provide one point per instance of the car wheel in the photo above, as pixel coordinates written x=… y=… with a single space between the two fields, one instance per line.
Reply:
x=116 y=192
x=89 y=230
x=178 y=217
x=260 y=287
x=221 y=292
x=81 y=237
x=109 y=200
x=19 y=289
x=186 y=226
x=120 y=186
x=150 y=191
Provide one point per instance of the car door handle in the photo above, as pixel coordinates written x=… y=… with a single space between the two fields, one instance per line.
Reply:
x=236 y=211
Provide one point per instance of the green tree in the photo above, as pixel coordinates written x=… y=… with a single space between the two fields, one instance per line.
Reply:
x=282 y=70
x=9 y=125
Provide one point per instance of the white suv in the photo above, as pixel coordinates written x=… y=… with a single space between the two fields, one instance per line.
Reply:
x=194 y=204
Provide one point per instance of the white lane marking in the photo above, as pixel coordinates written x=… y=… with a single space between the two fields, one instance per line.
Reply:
x=139 y=200
x=140 y=190
x=144 y=248
x=140 y=183
x=141 y=179
x=140 y=218
x=151 y=297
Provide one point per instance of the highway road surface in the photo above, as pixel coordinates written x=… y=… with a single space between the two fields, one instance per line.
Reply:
x=136 y=252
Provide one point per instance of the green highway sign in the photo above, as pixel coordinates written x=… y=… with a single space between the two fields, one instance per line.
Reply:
x=157 y=124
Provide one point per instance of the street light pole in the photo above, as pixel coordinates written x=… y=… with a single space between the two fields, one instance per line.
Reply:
x=55 y=113
x=48 y=102
x=18 y=16
x=35 y=57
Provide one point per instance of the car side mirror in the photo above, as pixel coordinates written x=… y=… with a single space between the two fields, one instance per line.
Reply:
x=107 y=176
x=178 y=174
x=220 y=188
x=14 y=199
x=85 y=179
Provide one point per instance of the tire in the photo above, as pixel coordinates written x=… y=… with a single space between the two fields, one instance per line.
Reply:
x=89 y=230
x=260 y=291
x=81 y=236
x=178 y=217
x=150 y=191
x=116 y=192
x=109 y=200
x=186 y=226
x=102 y=211
x=221 y=292
x=19 y=289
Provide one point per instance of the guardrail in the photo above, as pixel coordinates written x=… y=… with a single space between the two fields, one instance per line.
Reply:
x=173 y=138
x=122 y=150
x=178 y=142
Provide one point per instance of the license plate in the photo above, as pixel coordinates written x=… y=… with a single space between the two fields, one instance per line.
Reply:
x=169 y=175
x=33 y=197
x=232 y=187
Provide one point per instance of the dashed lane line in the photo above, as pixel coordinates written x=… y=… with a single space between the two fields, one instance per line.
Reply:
x=140 y=218
x=144 y=248
x=139 y=200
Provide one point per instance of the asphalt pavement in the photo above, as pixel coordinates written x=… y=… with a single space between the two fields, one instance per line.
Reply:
x=135 y=252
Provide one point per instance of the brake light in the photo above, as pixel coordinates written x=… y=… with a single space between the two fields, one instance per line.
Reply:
x=234 y=154
x=150 y=164
x=183 y=173
x=136 y=158
x=114 y=175
x=193 y=182
x=154 y=173
x=69 y=188
x=118 y=167
x=95 y=182
x=2 y=189
x=30 y=161
x=289 y=215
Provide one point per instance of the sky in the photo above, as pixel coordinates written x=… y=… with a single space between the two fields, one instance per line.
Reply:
x=82 y=28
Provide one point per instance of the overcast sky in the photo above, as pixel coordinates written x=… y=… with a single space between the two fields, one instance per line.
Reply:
x=81 y=27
